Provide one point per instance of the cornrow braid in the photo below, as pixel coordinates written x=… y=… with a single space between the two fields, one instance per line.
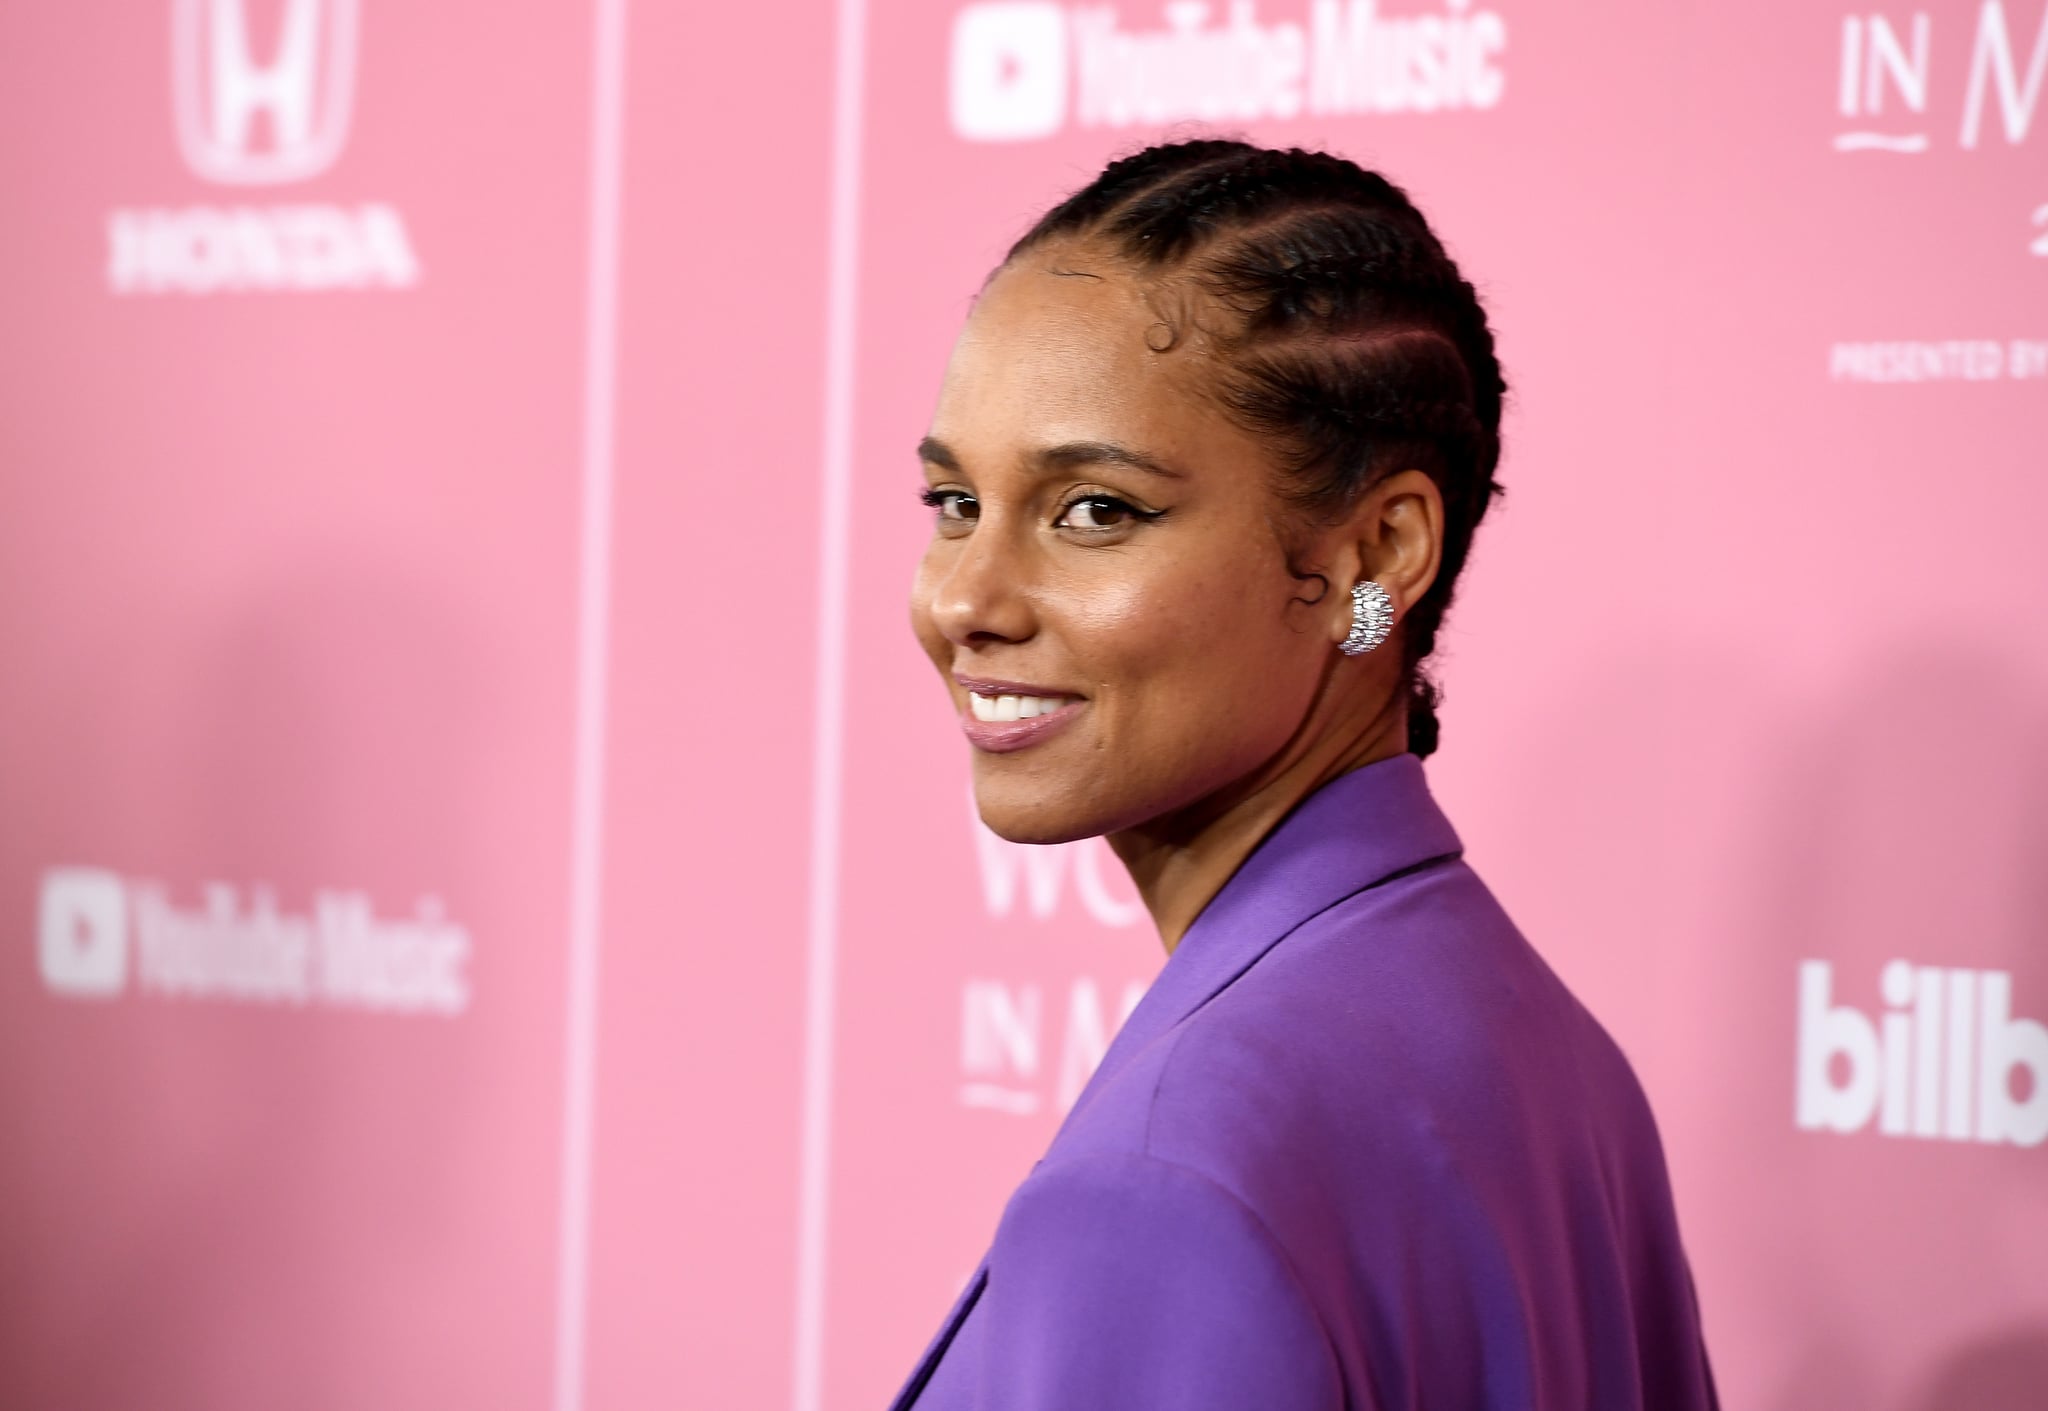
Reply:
x=1355 y=346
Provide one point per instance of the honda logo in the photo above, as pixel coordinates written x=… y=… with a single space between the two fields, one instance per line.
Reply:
x=255 y=113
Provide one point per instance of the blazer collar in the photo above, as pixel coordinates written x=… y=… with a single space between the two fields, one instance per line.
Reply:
x=1356 y=831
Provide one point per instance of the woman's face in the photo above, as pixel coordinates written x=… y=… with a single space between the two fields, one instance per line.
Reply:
x=1106 y=592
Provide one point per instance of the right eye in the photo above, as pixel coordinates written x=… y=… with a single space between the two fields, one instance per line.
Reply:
x=955 y=505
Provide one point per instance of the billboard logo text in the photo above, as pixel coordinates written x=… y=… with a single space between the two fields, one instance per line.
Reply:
x=1939 y=1063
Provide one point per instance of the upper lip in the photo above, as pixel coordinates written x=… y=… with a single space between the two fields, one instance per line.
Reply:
x=982 y=687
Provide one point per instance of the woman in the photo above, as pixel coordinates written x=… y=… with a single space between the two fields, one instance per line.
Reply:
x=1206 y=463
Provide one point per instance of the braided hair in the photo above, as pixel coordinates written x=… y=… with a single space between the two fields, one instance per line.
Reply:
x=1352 y=345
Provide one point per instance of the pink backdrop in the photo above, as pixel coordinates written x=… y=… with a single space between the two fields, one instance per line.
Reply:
x=496 y=914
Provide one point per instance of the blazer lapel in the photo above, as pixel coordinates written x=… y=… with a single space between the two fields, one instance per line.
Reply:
x=928 y=1363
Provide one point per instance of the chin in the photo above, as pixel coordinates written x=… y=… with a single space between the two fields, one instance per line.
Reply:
x=1036 y=812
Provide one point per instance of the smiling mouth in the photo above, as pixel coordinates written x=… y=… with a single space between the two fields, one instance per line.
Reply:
x=1006 y=708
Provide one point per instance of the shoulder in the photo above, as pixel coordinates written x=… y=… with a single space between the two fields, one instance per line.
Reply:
x=1406 y=1036
x=1395 y=1123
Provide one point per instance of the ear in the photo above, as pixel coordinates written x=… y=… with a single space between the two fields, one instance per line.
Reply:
x=1396 y=538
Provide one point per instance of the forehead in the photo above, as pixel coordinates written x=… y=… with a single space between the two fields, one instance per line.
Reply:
x=1065 y=346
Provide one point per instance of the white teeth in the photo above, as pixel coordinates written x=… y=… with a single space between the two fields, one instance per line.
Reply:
x=1012 y=707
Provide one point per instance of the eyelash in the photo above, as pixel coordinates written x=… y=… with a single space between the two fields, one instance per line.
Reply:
x=937 y=500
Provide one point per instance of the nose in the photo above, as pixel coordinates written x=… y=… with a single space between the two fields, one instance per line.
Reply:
x=976 y=591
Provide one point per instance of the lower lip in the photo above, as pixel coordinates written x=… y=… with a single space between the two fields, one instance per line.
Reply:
x=1005 y=736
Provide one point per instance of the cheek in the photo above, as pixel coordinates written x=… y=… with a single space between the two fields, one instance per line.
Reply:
x=922 y=586
x=1133 y=633
x=1193 y=651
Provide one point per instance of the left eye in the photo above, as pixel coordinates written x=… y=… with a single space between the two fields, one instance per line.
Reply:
x=1097 y=512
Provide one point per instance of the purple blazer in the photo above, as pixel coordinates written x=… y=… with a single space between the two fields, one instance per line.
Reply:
x=1358 y=1147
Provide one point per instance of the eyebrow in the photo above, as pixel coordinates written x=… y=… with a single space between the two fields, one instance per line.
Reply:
x=1065 y=456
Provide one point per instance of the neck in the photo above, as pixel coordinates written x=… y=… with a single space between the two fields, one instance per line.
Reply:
x=1180 y=861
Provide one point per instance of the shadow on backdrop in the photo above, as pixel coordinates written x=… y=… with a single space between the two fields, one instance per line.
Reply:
x=2006 y=1371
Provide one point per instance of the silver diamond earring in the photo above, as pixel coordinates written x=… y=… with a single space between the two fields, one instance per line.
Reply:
x=1372 y=618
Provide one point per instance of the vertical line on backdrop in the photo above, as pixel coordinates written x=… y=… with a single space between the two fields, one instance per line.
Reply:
x=836 y=461
x=593 y=629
